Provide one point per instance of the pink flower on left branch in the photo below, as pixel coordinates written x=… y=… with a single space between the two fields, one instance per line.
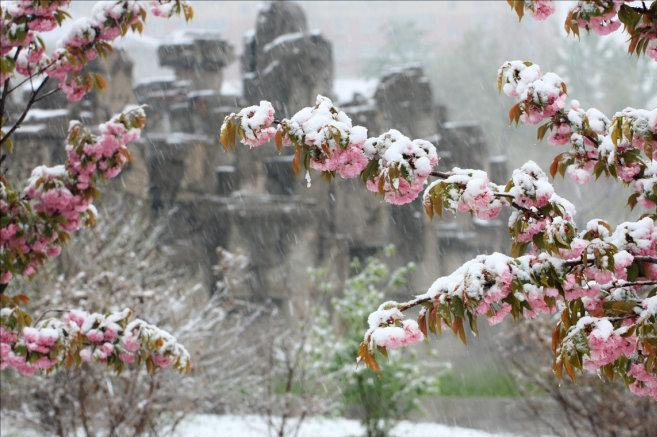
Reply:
x=58 y=200
x=111 y=339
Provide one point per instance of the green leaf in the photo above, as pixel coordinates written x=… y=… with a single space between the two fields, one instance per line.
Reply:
x=542 y=130
x=457 y=306
x=633 y=272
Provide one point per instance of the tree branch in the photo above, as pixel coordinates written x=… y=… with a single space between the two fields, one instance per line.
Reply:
x=30 y=77
x=49 y=93
x=31 y=102
x=5 y=91
x=423 y=298
x=641 y=258
x=620 y=284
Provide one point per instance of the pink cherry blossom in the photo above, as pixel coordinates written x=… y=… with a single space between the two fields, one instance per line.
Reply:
x=541 y=9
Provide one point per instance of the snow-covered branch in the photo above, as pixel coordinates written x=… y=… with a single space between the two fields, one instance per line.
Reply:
x=596 y=272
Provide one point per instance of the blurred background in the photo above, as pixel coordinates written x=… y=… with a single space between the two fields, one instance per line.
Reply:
x=279 y=276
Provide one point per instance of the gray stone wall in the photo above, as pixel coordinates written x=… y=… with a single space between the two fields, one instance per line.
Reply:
x=249 y=200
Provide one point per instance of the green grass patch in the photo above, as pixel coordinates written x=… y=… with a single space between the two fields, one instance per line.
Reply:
x=480 y=382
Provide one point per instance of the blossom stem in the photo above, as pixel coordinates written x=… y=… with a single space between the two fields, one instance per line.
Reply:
x=641 y=258
x=32 y=76
x=620 y=284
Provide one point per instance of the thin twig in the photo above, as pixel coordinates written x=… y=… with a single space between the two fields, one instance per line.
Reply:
x=49 y=93
x=50 y=310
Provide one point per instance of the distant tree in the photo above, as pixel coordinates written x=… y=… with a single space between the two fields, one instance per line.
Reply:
x=404 y=44
x=381 y=399
x=291 y=386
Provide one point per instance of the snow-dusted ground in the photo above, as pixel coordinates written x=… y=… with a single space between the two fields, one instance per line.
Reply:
x=205 y=425
x=254 y=426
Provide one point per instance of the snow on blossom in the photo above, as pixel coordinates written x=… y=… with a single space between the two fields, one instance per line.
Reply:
x=335 y=145
x=639 y=127
x=646 y=186
x=580 y=175
x=95 y=337
x=403 y=165
x=484 y=285
x=515 y=77
x=637 y=238
x=531 y=187
x=256 y=123
x=605 y=343
x=466 y=190
x=392 y=336
x=539 y=96
x=597 y=121
x=485 y=278
x=649 y=305
x=387 y=328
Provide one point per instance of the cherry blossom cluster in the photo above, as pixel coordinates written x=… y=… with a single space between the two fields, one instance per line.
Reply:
x=466 y=191
x=399 y=167
x=623 y=147
x=58 y=200
x=544 y=218
x=111 y=339
x=605 y=343
x=596 y=344
x=389 y=329
x=603 y=17
x=600 y=16
x=323 y=136
x=539 y=9
x=86 y=40
x=540 y=217
x=253 y=124
x=19 y=22
x=605 y=325
x=325 y=139
x=539 y=96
